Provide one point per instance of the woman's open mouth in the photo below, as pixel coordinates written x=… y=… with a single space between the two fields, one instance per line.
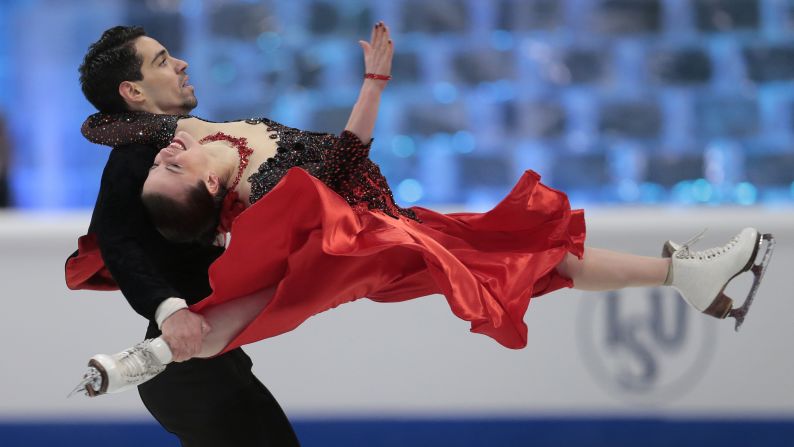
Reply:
x=178 y=144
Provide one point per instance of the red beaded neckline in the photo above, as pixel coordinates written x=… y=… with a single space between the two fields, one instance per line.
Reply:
x=241 y=144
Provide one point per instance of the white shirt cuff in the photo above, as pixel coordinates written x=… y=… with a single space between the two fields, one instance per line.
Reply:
x=167 y=308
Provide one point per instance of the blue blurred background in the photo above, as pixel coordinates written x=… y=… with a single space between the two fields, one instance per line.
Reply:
x=661 y=103
x=613 y=101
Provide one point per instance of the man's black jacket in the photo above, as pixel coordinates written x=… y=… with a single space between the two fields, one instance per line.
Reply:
x=146 y=267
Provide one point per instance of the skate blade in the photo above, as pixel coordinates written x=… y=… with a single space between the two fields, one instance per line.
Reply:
x=81 y=387
x=77 y=389
x=86 y=385
x=758 y=271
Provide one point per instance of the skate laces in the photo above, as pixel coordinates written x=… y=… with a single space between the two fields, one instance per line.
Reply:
x=686 y=253
x=139 y=361
x=694 y=239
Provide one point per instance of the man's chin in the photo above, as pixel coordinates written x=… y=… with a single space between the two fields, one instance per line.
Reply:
x=190 y=104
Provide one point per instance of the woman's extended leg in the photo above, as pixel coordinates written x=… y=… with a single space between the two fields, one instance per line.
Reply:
x=699 y=276
x=136 y=365
x=228 y=319
x=601 y=269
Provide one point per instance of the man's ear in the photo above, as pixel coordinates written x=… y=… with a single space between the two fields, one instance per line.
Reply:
x=131 y=93
x=213 y=183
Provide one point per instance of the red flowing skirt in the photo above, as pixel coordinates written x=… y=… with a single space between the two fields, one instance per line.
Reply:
x=304 y=240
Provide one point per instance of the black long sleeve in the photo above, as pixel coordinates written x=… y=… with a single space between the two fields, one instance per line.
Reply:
x=147 y=268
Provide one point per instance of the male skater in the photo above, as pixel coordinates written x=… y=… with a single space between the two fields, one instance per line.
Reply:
x=205 y=402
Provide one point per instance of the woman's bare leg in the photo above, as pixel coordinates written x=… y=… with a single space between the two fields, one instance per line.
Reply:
x=228 y=319
x=598 y=270
x=601 y=269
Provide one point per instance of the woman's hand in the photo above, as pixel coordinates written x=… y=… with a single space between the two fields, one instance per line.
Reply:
x=378 y=52
x=377 y=60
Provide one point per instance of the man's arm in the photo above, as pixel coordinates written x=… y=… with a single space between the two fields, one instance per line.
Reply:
x=120 y=227
x=127 y=240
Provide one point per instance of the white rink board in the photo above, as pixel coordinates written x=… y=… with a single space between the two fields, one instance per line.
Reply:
x=416 y=359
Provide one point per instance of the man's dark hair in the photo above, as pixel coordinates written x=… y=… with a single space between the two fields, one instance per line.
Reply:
x=193 y=219
x=110 y=61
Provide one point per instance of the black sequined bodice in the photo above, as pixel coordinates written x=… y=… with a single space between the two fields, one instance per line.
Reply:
x=341 y=162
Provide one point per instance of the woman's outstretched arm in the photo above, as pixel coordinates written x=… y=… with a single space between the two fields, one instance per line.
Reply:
x=377 y=60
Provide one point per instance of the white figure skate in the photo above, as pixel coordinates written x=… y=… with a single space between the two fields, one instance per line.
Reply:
x=126 y=369
x=701 y=277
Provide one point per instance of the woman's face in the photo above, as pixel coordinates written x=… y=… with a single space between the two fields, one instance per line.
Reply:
x=178 y=167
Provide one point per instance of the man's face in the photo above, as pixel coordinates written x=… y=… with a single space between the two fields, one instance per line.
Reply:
x=164 y=87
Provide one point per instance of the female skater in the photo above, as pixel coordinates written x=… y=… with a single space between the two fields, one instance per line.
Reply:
x=314 y=225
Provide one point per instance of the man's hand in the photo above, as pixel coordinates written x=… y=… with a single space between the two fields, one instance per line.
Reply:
x=183 y=331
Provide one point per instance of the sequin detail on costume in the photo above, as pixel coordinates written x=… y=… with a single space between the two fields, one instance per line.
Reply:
x=243 y=151
x=131 y=128
x=341 y=162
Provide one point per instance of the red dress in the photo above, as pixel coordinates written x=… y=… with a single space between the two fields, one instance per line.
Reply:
x=324 y=236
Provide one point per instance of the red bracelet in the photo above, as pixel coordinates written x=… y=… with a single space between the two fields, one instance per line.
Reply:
x=377 y=76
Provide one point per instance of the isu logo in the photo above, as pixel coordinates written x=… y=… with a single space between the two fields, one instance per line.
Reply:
x=645 y=345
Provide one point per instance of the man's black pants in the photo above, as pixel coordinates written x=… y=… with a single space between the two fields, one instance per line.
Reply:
x=217 y=402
